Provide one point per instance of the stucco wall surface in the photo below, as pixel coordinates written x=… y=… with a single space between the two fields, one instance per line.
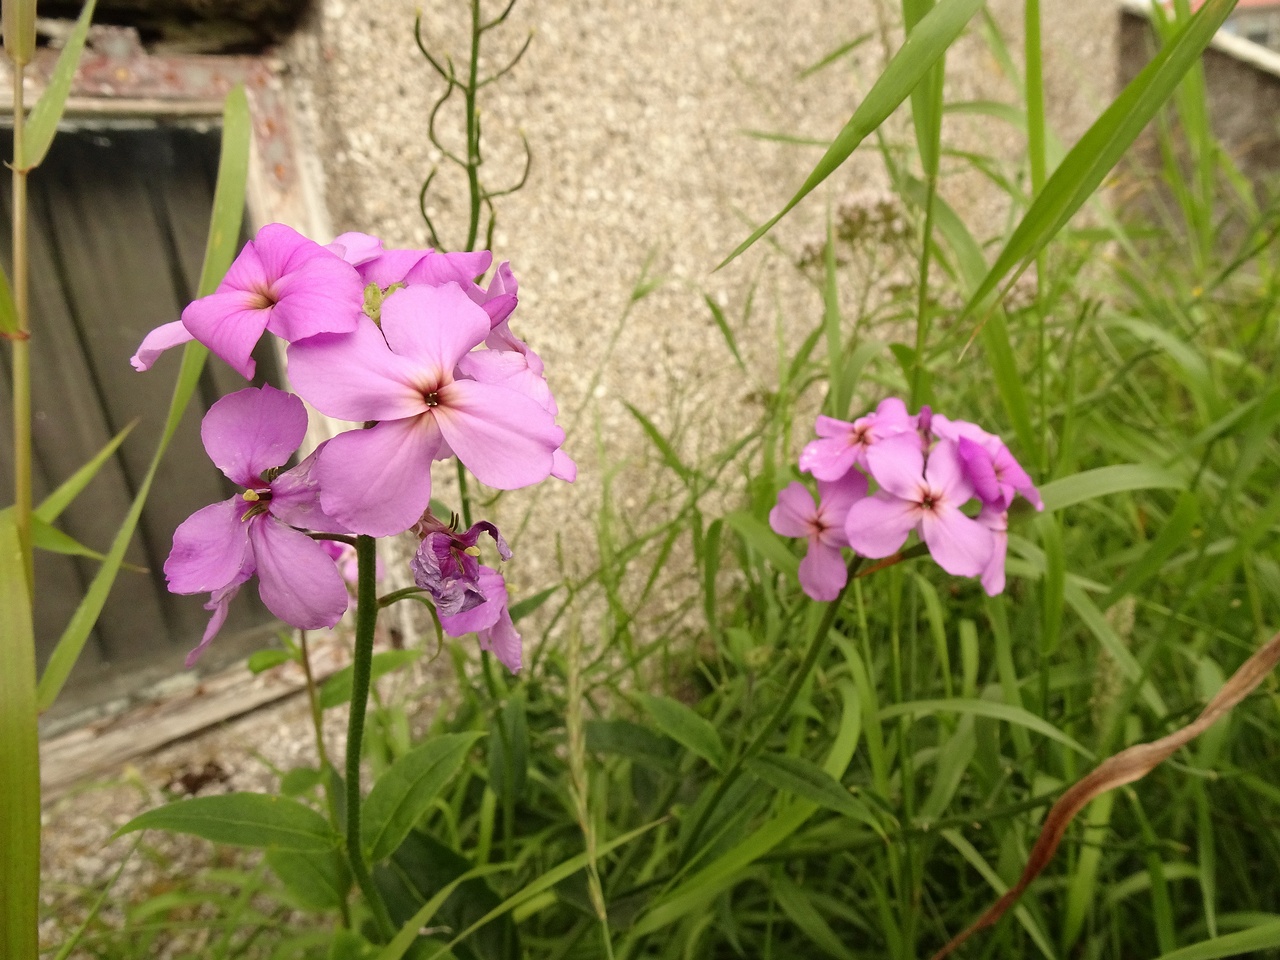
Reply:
x=636 y=116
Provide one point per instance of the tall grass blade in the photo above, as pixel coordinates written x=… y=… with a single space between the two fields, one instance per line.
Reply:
x=42 y=124
x=220 y=250
x=926 y=44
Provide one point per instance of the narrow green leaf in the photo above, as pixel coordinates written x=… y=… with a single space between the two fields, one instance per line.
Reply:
x=686 y=727
x=224 y=234
x=45 y=537
x=669 y=455
x=764 y=541
x=411 y=932
x=722 y=322
x=804 y=778
x=19 y=18
x=319 y=879
x=796 y=904
x=925 y=45
x=403 y=794
x=241 y=820
x=1102 y=146
x=1265 y=936
x=42 y=124
x=51 y=507
x=985 y=708
x=834 y=55
x=626 y=739
x=1104 y=481
x=19 y=754
x=523 y=608
x=1174 y=536
x=337 y=689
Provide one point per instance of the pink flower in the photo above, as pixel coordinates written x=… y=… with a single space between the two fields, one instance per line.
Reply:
x=845 y=445
x=992 y=469
x=445 y=564
x=248 y=435
x=822 y=571
x=923 y=496
x=997 y=521
x=404 y=376
x=490 y=621
x=281 y=282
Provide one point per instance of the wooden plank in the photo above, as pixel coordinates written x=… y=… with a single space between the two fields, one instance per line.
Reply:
x=179 y=708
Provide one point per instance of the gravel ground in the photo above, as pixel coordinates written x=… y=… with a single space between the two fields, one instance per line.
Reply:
x=635 y=115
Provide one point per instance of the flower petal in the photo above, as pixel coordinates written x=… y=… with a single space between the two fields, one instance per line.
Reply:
x=210 y=548
x=502 y=436
x=945 y=473
x=959 y=544
x=822 y=571
x=297 y=578
x=897 y=464
x=878 y=526
x=563 y=467
x=355 y=376
x=794 y=515
x=295 y=498
x=323 y=295
x=157 y=342
x=435 y=326
x=249 y=431
x=230 y=323
x=460 y=267
x=219 y=605
x=378 y=481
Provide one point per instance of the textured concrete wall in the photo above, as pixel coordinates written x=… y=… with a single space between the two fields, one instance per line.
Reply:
x=635 y=113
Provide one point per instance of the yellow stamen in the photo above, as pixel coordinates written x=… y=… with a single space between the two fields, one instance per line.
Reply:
x=251 y=496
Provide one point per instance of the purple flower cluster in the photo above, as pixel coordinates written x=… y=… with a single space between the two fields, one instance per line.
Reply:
x=948 y=481
x=404 y=343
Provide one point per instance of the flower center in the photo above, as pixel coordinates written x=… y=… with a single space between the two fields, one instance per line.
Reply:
x=259 y=503
x=431 y=399
x=262 y=299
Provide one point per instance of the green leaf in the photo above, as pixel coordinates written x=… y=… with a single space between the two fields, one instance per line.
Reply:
x=1102 y=146
x=985 y=708
x=630 y=740
x=410 y=932
x=685 y=727
x=337 y=689
x=19 y=753
x=759 y=537
x=1104 y=481
x=263 y=660
x=241 y=820
x=804 y=778
x=19 y=30
x=42 y=124
x=1175 y=535
x=319 y=879
x=669 y=455
x=52 y=506
x=1264 y=936
x=509 y=751
x=300 y=780
x=224 y=233
x=526 y=606
x=925 y=45
x=405 y=792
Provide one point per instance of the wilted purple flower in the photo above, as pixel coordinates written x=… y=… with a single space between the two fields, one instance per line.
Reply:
x=822 y=571
x=281 y=282
x=445 y=564
x=844 y=445
x=378 y=481
x=490 y=621
x=921 y=495
x=248 y=435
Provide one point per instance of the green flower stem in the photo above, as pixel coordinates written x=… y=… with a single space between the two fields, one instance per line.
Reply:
x=816 y=646
x=366 y=621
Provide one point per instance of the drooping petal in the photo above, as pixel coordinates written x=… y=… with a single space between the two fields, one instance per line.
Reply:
x=435 y=326
x=997 y=521
x=510 y=369
x=157 y=342
x=503 y=640
x=355 y=247
x=897 y=464
x=297 y=578
x=878 y=526
x=230 y=324
x=1012 y=475
x=794 y=515
x=378 y=481
x=460 y=267
x=960 y=545
x=981 y=471
x=210 y=548
x=822 y=571
x=355 y=376
x=502 y=436
x=219 y=605
x=484 y=615
x=247 y=432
